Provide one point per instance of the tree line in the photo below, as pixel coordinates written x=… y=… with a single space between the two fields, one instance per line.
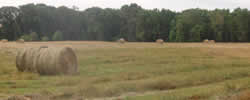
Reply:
x=35 y=22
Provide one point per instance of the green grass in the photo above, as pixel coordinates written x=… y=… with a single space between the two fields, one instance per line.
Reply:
x=180 y=73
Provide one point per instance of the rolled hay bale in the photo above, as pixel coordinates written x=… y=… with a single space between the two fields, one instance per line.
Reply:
x=211 y=41
x=47 y=61
x=4 y=40
x=205 y=41
x=160 y=41
x=122 y=40
x=20 y=41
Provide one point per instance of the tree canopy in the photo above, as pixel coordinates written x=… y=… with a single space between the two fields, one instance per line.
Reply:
x=42 y=22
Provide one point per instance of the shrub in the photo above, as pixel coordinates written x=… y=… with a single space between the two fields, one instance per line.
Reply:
x=45 y=38
x=34 y=36
x=58 y=36
x=26 y=37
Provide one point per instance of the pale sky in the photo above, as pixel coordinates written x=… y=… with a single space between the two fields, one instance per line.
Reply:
x=176 y=5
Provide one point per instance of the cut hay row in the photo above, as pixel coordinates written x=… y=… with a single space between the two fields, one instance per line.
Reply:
x=122 y=41
x=47 y=61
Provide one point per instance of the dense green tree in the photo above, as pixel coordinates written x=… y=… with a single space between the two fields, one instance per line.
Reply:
x=95 y=26
x=218 y=19
x=192 y=25
x=241 y=22
x=131 y=22
x=129 y=15
x=9 y=19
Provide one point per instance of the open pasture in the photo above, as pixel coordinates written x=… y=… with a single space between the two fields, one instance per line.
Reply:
x=136 y=71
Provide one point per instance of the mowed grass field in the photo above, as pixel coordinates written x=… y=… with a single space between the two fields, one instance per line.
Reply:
x=136 y=71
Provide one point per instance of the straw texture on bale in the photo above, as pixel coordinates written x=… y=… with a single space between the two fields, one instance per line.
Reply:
x=4 y=40
x=47 y=61
x=122 y=40
x=160 y=41
x=20 y=41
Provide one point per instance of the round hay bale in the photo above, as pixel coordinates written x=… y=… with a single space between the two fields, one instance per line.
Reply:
x=122 y=40
x=212 y=41
x=47 y=61
x=205 y=41
x=160 y=41
x=20 y=41
x=4 y=40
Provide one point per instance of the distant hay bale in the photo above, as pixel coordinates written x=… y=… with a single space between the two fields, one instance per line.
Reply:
x=160 y=41
x=205 y=41
x=4 y=40
x=122 y=40
x=20 y=41
x=208 y=41
x=47 y=61
x=212 y=41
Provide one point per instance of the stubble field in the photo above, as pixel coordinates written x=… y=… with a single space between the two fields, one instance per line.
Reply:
x=136 y=71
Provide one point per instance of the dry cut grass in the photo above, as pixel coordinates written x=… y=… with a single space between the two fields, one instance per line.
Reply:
x=136 y=71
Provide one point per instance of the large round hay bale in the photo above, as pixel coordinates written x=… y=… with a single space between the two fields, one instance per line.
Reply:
x=47 y=61
x=160 y=41
x=20 y=41
x=4 y=40
x=122 y=40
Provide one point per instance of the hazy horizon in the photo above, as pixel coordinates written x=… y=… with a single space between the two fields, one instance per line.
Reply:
x=177 y=5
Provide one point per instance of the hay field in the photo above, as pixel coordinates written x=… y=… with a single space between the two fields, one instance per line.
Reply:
x=136 y=71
